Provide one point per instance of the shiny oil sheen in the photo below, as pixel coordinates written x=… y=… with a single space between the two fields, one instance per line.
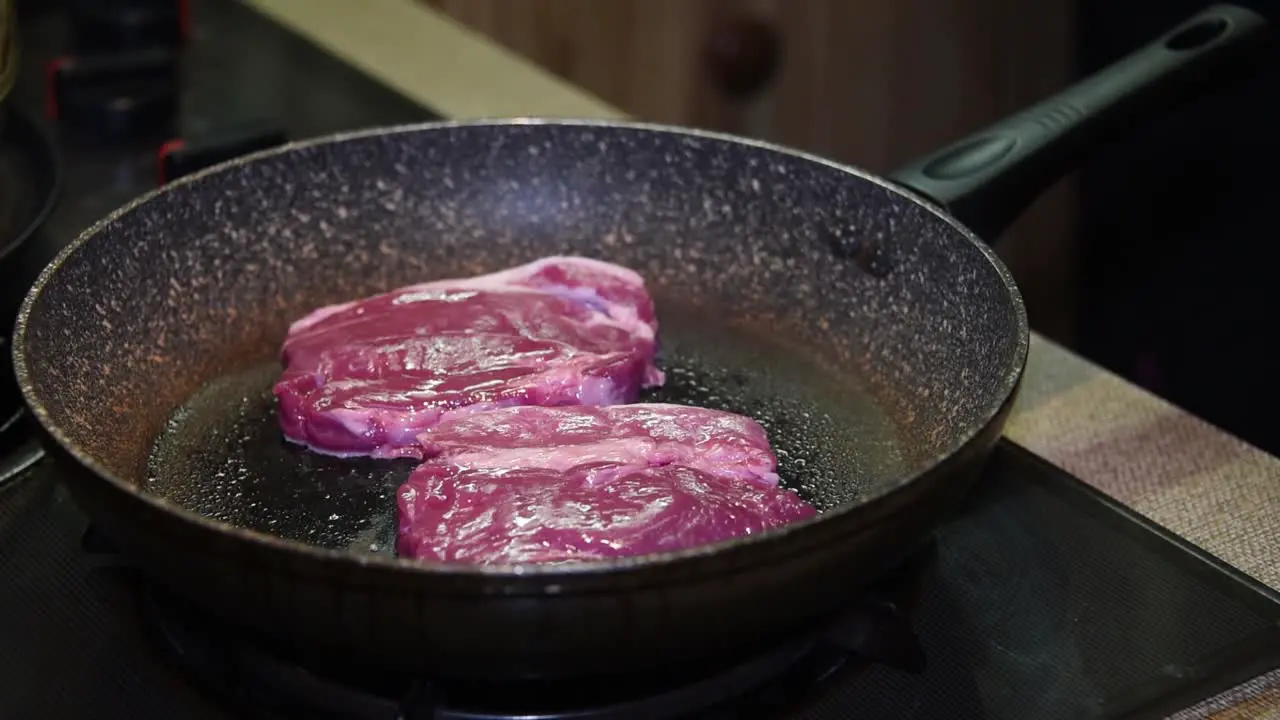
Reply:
x=222 y=453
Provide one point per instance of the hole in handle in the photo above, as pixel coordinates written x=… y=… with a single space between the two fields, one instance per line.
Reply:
x=1197 y=34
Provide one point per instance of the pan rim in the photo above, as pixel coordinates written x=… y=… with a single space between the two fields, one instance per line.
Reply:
x=523 y=572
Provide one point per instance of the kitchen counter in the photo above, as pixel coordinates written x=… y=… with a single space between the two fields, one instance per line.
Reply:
x=1213 y=489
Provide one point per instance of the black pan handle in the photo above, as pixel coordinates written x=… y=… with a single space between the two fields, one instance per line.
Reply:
x=987 y=179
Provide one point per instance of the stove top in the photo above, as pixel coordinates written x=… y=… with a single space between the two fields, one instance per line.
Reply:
x=1042 y=599
x=240 y=82
x=266 y=682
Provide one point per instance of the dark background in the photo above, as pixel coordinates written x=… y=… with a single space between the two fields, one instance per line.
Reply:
x=1179 y=280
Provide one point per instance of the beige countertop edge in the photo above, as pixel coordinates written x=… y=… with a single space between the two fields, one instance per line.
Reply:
x=433 y=60
x=1209 y=487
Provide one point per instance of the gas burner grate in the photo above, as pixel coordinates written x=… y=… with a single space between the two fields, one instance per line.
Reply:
x=30 y=174
x=253 y=679
x=19 y=447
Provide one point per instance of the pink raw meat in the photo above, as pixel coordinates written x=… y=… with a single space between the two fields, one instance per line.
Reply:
x=559 y=438
x=365 y=377
x=554 y=485
x=592 y=511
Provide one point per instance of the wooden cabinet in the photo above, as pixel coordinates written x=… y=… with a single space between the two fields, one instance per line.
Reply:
x=868 y=82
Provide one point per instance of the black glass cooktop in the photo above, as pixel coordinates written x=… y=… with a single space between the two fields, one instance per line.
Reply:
x=1042 y=599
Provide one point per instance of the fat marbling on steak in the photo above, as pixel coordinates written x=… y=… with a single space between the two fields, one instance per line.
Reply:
x=366 y=377
x=550 y=485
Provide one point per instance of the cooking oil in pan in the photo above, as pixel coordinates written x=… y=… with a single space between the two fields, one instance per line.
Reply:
x=833 y=438
x=222 y=454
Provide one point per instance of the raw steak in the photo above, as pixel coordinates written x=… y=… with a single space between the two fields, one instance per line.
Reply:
x=559 y=438
x=593 y=511
x=550 y=485
x=365 y=377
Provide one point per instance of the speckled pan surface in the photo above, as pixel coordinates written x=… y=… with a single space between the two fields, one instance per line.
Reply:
x=879 y=342
x=200 y=280
x=203 y=277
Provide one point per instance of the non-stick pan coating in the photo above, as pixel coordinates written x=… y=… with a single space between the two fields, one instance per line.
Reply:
x=787 y=286
x=202 y=280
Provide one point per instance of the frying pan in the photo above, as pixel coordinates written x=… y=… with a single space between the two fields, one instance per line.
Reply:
x=871 y=331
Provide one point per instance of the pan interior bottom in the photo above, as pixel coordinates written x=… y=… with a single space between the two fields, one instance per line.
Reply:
x=221 y=453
